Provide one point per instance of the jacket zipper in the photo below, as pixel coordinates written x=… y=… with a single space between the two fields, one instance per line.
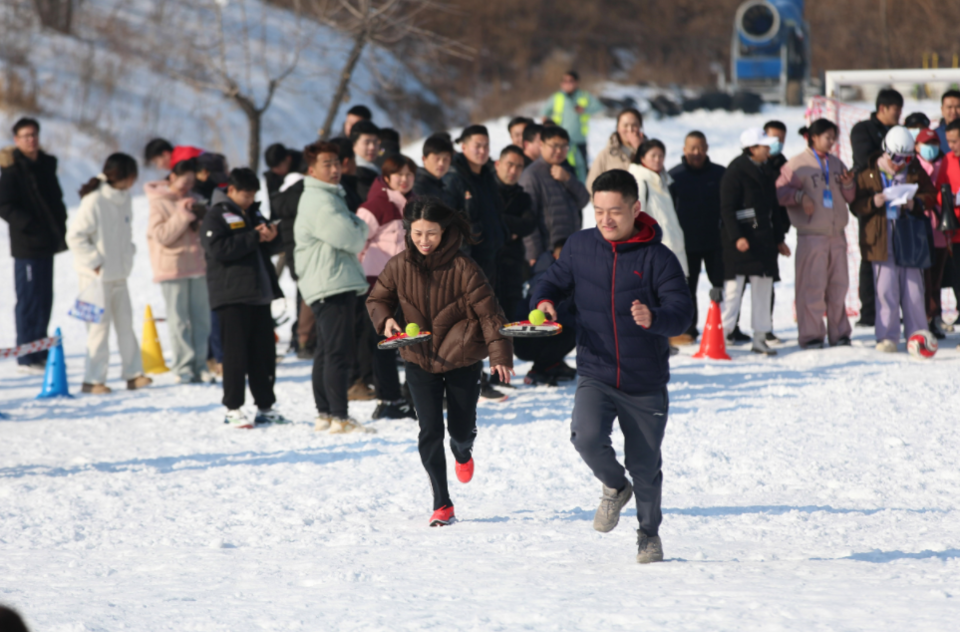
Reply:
x=613 y=313
x=426 y=306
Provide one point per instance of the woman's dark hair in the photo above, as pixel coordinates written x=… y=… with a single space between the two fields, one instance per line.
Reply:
x=117 y=168
x=189 y=165
x=820 y=126
x=433 y=210
x=645 y=147
x=917 y=119
x=623 y=113
x=394 y=164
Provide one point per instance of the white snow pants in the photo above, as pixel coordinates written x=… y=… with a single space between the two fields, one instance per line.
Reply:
x=116 y=310
x=761 y=291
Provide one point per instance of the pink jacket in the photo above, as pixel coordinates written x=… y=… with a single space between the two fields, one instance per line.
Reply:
x=383 y=213
x=801 y=176
x=175 y=251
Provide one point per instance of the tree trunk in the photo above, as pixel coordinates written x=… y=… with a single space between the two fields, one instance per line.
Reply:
x=254 y=121
x=359 y=41
x=55 y=14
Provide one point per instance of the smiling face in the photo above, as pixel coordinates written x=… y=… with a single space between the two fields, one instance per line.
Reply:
x=953 y=140
x=476 y=149
x=402 y=180
x=628 y=128
x=615 y=215
x=426 y=236
x=950 y=109
x=695 y=151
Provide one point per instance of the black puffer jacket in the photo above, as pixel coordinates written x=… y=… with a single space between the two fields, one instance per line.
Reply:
x=428 y=185
x=482 y=207
x=31 y=201
x=283 y=207
x=520 y=221
x=866 y=139
x=234 y=255
x=748 y=208
x=696 y=197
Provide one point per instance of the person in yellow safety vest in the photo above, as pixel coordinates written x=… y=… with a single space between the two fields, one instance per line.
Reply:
x=571 y=109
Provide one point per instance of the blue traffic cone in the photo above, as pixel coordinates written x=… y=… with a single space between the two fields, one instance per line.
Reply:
x=55 y=378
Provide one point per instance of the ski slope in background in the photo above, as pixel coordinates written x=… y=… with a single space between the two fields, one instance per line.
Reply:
x=817 y=490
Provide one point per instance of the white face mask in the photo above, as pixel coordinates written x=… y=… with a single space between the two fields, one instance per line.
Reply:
x=914 y=132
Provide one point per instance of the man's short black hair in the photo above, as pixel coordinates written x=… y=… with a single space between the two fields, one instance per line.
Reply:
x=362 y=111
x=917 y=119
x=155 y=148
x=275 y=155
x=888 y=97
x=530 y=132
x=572 y=73
x=473 y=130
x=439 y=143
x=778 y=125
x=953 y=127
x=346 y=147
x=697 y=134
x=554 y=132
x=244 y=179
x=363 y=128
x=512 y=149
x=518 y=120
x=618 y=181
x=25 y=122
x=950 y=94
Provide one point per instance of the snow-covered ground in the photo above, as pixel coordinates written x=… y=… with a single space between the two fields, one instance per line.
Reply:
x=812 y=491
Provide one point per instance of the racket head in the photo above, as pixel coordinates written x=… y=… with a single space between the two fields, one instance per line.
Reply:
x=403 y=340
x=526 y=329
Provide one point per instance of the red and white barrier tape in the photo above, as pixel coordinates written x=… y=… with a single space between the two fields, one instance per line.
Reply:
x=30 y=347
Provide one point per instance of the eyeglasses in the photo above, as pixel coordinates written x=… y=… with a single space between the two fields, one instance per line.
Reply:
x=564 y=147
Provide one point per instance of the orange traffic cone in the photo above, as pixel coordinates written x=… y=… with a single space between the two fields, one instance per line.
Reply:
x=713 y=344
x=150 y=349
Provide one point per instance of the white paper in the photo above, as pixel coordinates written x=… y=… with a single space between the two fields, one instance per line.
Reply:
x=900 y=194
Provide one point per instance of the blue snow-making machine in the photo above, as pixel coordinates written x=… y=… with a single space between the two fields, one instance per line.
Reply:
x=770 y=51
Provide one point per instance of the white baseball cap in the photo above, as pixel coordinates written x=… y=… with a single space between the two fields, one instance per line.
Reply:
x=755 y=136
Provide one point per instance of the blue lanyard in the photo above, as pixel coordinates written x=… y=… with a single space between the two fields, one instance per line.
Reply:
x=885 y=179
x=825 y=168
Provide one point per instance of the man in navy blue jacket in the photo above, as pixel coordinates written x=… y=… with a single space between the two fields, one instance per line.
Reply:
x=631 y=295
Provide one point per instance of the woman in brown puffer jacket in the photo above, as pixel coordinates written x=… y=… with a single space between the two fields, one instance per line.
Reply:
x=443 y=291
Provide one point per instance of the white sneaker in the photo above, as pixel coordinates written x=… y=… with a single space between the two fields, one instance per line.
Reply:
x=237 y=419
x=343 y=426
x=322 y=423
x=207 y=377
x=37 y=368
x=887 y=346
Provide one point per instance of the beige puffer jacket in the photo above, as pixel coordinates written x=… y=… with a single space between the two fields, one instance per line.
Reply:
x=175 y=250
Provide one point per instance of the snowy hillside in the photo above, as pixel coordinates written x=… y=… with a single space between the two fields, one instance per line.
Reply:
x=95 y=100
x=817 y=490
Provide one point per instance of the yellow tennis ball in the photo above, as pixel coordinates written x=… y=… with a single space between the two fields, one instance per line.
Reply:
x=413 y=329
x=537 y=317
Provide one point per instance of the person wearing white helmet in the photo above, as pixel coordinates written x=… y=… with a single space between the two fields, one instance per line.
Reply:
x=899 y=285
x=752 y=236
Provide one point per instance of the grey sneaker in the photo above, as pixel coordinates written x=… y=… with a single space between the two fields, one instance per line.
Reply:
x=649 y=549
x=760 y=346
x=608 y=513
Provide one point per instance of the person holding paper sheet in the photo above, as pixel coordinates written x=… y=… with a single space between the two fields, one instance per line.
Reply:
x=899 y=288
x=815 y=187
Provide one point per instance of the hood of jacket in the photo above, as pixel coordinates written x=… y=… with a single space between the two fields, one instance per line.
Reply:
x=291 y=179
x=449 y=248
x=160 y=190
x=648 y=233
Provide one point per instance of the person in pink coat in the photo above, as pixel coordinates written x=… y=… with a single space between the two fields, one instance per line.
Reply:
x=931 y=159
x=383 y=213
x=179 y=267
x=815 y=187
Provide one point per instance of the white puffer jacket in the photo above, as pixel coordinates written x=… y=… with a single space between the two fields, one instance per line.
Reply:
x=100 y=234
x=655 y=201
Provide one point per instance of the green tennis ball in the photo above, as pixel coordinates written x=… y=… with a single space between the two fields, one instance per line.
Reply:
x=537 y=317
x=413 y=329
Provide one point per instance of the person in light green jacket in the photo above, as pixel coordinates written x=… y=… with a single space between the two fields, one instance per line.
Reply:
x=571 y=109
x=328 y=239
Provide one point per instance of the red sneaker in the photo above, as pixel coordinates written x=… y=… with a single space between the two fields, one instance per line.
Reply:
x=442 y=517
x=465 y=471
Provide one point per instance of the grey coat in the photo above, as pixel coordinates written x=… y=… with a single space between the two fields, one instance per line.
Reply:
x=558 y=207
